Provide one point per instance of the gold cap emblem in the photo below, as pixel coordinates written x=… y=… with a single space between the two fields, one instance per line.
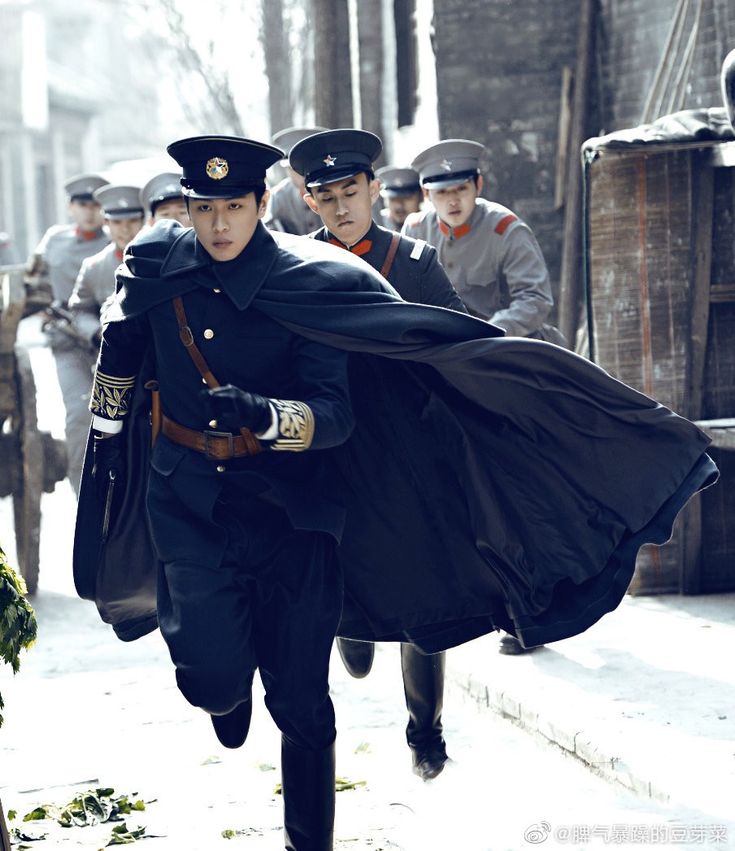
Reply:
x=217 y=168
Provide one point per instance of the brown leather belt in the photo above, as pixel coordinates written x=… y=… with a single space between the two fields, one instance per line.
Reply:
x=217 y=445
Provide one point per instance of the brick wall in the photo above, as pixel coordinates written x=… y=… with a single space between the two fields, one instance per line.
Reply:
x=633 y=34
x=499 y=69
x=499 y=65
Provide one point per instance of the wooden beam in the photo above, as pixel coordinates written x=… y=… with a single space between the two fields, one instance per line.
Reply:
x=4 y=835
x=571 y=289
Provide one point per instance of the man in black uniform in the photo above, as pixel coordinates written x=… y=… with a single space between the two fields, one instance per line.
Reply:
x=337 y=167
x=241 y=525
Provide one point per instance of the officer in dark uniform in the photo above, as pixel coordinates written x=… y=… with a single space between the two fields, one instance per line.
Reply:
x=287 y=210
x=55 y=265
x=337 y=166
x=162 y=198
x=238 y=511
x=401 y=191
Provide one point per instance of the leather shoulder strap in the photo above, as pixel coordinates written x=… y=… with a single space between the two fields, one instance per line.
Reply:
x=187 y=338
x=391 y=255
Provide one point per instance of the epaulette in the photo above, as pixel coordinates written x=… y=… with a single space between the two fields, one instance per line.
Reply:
x=418 y=249
x=502 y=226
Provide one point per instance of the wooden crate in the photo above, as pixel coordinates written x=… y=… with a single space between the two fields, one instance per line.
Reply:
x=661 y=282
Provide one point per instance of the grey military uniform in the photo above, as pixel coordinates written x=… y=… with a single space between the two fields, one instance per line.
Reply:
x=63 y=249
x=94 y=285
x=387 y=222
x=494 y=263
x=287 y=211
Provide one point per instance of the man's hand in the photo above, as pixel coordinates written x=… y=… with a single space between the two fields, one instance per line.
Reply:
x=109 y=461
x=233 y=408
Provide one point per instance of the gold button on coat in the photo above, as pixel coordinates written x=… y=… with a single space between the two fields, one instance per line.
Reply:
x=208 y=333
x=221 y=468
x=213 y=423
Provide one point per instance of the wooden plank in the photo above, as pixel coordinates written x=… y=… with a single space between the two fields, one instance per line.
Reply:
x=703 y=208
x=4 y=836
x=721 y=431
x=722 y=293
x=562 y=151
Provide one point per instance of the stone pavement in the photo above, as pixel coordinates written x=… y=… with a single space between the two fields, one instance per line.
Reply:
x=646 y=697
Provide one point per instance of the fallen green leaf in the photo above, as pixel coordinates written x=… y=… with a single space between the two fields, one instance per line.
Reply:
x=38 y=814
x=12 y=814
x=229 y=833
x=342 y=784
x=266 y=766
x=363 y=747
x=122 y=835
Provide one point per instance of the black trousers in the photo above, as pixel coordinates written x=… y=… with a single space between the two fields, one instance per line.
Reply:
x=273 y=603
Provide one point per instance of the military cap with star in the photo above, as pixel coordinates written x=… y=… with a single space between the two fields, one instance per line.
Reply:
x=287 y=138
x=160 y=188
x=222 y=166
x=398 y=182
x=82 y=187
x=448 y=163
x=334 y=155
x=119 y=202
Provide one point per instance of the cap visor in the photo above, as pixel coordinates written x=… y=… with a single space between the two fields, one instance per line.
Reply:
x=218 y=192
x=128 y=214
x=442 y=182
x=335 y=174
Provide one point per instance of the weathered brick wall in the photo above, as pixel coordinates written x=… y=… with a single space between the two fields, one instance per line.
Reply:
x=499 y=65
x=633 y=35
x=499 y=70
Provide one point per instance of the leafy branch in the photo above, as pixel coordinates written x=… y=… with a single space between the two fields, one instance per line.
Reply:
x=18 y=627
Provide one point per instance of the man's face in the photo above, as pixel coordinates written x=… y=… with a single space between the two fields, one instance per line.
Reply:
x=455 y=204
x=346 y=206
x=173 y=209
x=400 y=206
x=224 y=226
x=122 y=231
x=87 y=215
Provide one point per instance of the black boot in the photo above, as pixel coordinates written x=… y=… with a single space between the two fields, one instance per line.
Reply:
x=423 y=683
x=357 y=655
x=233 y=727
x=308 y=797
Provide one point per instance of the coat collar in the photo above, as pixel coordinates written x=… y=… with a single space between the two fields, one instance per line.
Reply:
x=240 y=278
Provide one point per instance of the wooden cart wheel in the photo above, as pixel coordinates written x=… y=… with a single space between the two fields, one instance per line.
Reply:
x=27 y=497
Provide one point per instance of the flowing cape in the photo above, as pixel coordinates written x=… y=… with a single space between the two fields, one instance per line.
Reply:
x=491 y=482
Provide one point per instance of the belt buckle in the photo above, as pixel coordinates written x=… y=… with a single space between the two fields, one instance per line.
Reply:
x=228 y=436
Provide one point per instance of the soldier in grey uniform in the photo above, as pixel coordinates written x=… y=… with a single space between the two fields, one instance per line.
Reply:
x=401 y=191
x=287 y=210
x=52 y=272
x=337 y=168
x=95 y=283
x=490 y=255
x=163 y=199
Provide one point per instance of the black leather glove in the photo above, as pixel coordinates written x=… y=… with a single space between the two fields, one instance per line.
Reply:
x=234 y=408
x=109 y=457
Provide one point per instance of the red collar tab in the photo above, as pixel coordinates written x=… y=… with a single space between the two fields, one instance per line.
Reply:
x=455 y=233
x=119 y=254
x=88 y=235
x=502 y=226
x=359 y=248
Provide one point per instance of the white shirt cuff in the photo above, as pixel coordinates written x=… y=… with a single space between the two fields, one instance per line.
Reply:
x=108 y=426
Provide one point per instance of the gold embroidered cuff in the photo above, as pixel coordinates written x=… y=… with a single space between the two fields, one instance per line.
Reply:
x=111 y=395
x=295 y=425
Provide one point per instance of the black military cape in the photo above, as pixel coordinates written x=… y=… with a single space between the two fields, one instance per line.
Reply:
x=491 y=482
